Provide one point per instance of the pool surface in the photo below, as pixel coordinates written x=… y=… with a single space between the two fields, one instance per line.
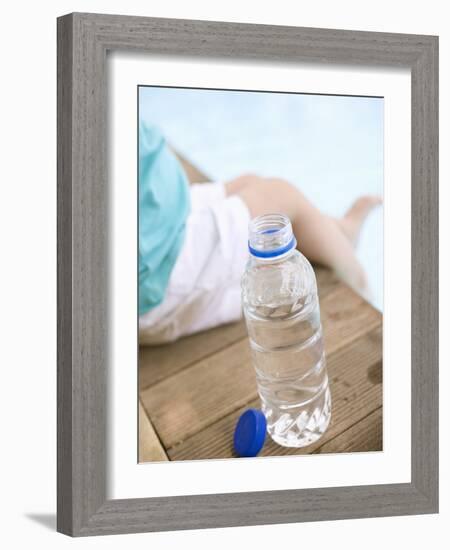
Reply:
x=331 y=147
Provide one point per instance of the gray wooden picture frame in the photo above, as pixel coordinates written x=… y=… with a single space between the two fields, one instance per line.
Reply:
x=83 y=42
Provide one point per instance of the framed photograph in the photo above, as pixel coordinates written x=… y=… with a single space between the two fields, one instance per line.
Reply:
x=247 y=274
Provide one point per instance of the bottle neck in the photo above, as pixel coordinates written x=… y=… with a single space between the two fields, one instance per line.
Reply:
x=271 y=238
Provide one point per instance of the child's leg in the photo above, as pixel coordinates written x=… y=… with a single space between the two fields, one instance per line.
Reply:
x=321 y=238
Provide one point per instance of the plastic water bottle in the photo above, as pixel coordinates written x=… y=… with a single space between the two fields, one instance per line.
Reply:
x=281 y=307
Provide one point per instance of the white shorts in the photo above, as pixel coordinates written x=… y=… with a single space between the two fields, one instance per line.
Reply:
x=204 y=287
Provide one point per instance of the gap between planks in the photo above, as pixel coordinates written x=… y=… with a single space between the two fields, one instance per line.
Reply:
x=150 y=447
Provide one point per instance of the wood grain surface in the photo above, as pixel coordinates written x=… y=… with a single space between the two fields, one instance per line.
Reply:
x=150 y=448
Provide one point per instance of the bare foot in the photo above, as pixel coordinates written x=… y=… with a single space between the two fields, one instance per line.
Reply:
x=351 y=223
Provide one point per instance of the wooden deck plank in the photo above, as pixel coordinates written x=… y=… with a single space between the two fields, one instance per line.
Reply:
x=364 y=436
x=187 y=402
x=193 y=174
x=150 y=448
x=355 y=394
x=200 y=395
x=159 y=362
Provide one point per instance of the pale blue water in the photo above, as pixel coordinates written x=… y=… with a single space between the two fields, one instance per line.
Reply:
x=331 y=147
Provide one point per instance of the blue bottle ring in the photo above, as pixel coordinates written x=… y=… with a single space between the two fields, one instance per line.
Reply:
x=275 y=252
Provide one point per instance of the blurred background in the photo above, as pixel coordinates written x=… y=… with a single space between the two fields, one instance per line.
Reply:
x=331 y=147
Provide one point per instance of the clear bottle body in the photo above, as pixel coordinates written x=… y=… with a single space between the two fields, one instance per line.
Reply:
x=281 y=308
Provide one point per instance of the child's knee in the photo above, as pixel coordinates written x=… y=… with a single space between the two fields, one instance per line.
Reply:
x=284 y=193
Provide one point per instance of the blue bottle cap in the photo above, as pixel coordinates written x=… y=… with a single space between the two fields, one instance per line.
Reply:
x=250 y=433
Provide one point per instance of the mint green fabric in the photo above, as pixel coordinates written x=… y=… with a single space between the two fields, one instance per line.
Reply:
x=163 y=208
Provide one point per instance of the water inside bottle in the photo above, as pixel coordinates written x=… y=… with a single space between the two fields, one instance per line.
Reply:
x=291 y=375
